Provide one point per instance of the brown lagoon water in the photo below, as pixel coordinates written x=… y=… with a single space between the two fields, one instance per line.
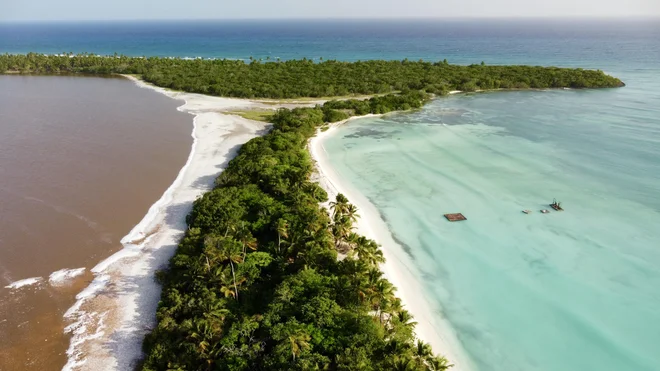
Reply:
x=81 y=161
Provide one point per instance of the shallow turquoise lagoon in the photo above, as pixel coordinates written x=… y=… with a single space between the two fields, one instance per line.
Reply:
x=572 y=290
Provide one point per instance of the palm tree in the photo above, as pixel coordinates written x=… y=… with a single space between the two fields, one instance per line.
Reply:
x=425 y=358
x=404 y=364
x=341 y=229
x=351 y=212
x=422 y=352
x=202 y=334
x=439 y=363
x=352 y=240
x=210 y=256
x=355 y=272
x=205 y=262
x=377 y=256
x=374 y=274
x=299 y=342
x=368 y=251
x=227 y=282
x=383 y=295
x=282 y=228
x=405 y=319
x=227 y=291
x=319 y=235
x=339 y=206
x=226 y=250
x=204 y=338
x=392 y=308
x=245 y=237
x=214 y=311
x=423 y=349
x=313 y=190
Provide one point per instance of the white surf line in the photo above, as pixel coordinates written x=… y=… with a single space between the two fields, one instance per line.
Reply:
x=57 y=278
x=399 y=267
x=64 y=276
x=24 y=282
x=112 y=315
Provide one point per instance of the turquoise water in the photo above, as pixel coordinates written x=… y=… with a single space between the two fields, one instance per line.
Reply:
x=573 y=290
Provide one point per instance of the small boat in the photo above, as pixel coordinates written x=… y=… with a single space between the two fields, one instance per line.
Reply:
x=556 y=205
x=544 y=211
x=527 y=211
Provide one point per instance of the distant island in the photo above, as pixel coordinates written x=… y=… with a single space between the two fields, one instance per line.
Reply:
x=306 y=78
x=256 y=283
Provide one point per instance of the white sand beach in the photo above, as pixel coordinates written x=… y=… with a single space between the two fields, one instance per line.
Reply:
x=398 y=268
x=112 y=315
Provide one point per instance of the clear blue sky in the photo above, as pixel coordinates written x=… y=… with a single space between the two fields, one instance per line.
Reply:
x=27 y=10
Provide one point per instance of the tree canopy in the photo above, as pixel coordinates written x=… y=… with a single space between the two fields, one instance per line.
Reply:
x=305 y=78
x=256 y=283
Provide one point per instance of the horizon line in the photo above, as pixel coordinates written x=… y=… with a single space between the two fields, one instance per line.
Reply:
x=316 y=19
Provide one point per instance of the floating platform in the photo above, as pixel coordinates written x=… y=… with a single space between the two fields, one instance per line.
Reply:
x=457 y=217
x=556 y=205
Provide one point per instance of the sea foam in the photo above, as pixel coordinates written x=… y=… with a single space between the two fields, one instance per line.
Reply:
x=25 y=282
x=63 y=276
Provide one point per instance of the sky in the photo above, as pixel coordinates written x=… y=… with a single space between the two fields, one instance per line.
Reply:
x=71 y=10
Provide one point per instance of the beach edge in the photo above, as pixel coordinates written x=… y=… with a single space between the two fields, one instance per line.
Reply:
x=398 y=266
x=117 y=309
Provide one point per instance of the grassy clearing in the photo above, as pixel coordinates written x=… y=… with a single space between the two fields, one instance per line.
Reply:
x=256 y=115
x=321 y=99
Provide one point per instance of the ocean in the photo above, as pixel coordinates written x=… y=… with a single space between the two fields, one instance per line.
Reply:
x=571 y=290
x=581 y=42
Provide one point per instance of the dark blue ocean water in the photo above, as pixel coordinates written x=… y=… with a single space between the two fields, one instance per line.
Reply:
x=543 y=42
x=576 y=291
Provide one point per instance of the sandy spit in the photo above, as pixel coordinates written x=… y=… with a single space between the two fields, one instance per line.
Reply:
x=114 y=313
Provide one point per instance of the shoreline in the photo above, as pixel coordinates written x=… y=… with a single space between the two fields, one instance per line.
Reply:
x=117 y=309
x=398 y=268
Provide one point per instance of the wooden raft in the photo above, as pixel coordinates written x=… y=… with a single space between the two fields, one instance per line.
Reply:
x=457 y=217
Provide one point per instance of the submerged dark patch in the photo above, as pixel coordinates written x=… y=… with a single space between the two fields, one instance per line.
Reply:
x=372 y=133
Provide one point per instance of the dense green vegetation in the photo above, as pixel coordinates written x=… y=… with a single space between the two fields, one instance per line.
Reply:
x=304 y=78
x=256 y=283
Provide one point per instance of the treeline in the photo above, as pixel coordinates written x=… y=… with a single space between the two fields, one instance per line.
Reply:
x=305 y=78
x=256 y=283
